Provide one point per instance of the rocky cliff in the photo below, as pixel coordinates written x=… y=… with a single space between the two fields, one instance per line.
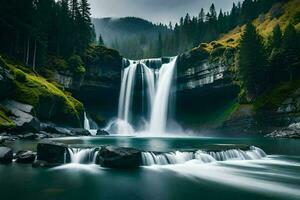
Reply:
x=27 y=98
x=98 y=88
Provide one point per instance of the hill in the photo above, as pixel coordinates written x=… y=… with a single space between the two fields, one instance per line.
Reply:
x=132 y=36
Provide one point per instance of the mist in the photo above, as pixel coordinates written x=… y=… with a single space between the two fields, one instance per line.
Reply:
x=154 y=10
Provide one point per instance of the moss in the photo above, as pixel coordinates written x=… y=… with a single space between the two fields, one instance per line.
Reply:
x=5 y=121
x=273 y=98
x=50 y=102
x=96 y=55
x=20 y=76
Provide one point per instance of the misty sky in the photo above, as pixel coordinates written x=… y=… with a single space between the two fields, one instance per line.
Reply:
x=154 y=10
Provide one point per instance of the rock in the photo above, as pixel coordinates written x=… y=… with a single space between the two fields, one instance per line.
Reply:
x=42 y=135
x=30 y=136
x=25 y=157
x=51 y=152
x=102 y=132
x=292 y=131
x=51 y=128
x=22 y=117
x=80 y=132
x=6 y=155
x=40 y=163
x=119 y=157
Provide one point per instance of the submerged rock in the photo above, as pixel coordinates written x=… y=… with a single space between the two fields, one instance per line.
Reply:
x=119 y=157
x=25 y=157
x=6 y=155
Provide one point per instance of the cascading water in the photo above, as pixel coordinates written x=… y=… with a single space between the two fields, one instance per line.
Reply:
x=159 y=111
x=126 y=93
x=158 y=79
x=150 y=158
x=83 y=156
x=86 y=124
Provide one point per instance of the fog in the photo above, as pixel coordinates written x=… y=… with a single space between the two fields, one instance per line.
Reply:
x=154 y=10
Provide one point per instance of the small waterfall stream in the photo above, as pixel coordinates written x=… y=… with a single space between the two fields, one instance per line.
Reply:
x=86 y=124
x=89 y=156
x=150 y=158
x=83 y=156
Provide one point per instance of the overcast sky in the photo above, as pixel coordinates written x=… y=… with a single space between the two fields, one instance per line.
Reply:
x=154 y=10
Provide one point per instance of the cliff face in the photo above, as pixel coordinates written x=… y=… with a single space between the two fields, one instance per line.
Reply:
x=206 y=91
x=101 y=81
x=27 y=98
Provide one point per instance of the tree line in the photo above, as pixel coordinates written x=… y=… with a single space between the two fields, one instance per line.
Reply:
x=264 y=64
x=33 y=30
x=191 y=31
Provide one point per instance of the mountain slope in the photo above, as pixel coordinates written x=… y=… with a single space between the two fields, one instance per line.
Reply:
x=130 y=35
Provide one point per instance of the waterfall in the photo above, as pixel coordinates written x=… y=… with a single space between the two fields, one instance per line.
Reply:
x=83 y=156
x=150 y=158
x=158 y=81
x=126 y=93
x=150 y=80
x=86 y=124
x=159 y=111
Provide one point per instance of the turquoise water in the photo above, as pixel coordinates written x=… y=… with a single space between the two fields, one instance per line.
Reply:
x=274 y=177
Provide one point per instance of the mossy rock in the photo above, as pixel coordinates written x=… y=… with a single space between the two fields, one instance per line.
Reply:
x=5 y=122
x=192 y=58
x=50 y=102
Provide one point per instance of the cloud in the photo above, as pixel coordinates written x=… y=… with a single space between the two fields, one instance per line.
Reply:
x=154 y=10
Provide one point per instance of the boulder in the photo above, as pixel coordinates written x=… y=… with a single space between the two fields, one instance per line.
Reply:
x=25 y=157
x=292 y=131
x=80 y=132
x=51 y=128
x=30 y=136
x=102 y=132
x=6 y=155
x=51 y=152
x=119 y=157
x=22 y=116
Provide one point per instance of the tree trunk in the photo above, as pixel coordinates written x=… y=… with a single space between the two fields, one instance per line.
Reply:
x=34 y=57
x=27 y=52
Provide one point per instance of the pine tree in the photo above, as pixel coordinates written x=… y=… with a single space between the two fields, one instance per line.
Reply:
x=291 y=51
x=201 y=16
x=276 y=37
x=100 y=40
x=276 y=57
x=159 y=46
x=252 y=62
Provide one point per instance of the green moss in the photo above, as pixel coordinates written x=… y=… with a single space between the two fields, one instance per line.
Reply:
x=273 y=98
x=50 y=102
x=5 y=121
